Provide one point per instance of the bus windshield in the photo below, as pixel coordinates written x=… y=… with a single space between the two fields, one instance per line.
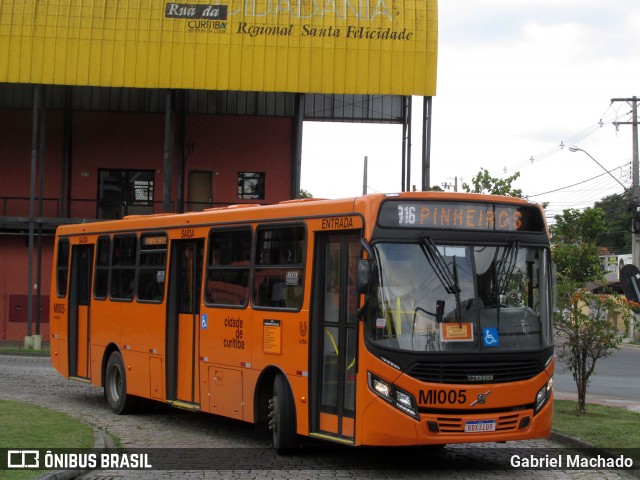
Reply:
x=433 y=297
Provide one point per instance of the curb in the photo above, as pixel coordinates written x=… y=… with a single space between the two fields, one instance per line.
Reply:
x=102 y=442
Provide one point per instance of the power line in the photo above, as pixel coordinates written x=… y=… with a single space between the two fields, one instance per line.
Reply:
x=586 y=132
x=575 y=184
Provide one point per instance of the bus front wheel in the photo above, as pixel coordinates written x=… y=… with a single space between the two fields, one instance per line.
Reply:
x=115 y=386
x=282 y=417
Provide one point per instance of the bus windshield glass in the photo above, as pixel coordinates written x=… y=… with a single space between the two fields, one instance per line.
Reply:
x=431 y=297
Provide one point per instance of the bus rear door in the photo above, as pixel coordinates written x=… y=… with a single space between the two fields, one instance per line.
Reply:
x=334 y=336
x=183 y=321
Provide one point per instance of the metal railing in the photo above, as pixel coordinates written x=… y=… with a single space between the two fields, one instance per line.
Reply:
x=88 y=208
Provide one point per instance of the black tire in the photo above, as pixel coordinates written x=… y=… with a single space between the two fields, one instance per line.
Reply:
x=115 y=386
x=282 y=415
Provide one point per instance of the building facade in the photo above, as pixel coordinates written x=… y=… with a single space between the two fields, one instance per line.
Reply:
x=109 y=109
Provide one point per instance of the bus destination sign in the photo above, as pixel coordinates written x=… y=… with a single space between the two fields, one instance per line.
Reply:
x=460 y=216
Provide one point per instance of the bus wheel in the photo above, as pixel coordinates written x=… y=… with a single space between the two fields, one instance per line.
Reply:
x=115 y=386
x=282 y=417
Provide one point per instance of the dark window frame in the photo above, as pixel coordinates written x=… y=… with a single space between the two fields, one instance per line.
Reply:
x=254 y=193
x=62 y=268
x=212 y=267
x=273 y=282
x=102 y=268
x=118 y=269
x=143 y=270
x=126 y=194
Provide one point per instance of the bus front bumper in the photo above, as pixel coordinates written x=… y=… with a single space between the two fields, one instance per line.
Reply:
x=382 y=424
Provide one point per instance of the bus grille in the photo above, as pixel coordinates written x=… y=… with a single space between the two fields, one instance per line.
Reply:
x=504 y=423
x=474 y=372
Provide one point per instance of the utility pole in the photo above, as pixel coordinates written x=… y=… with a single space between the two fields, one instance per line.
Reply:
x=633 y=101
x=364 y=176
x=447 y=185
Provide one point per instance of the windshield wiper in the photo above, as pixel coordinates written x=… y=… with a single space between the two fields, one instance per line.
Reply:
x=448 y=279
x=504 y=269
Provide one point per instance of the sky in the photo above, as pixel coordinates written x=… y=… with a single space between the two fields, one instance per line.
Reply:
x=518 y=82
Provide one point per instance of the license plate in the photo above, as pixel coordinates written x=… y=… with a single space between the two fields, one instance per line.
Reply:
x=474 y=426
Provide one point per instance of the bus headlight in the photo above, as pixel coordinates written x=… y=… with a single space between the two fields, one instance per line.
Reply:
x=543 y=394
x=393 y=395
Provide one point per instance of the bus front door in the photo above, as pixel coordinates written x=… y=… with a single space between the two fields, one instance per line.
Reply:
x=334 y=336
x=183 y=320
x=79 y=327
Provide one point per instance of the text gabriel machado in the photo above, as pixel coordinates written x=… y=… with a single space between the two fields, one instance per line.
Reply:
x=570 y=461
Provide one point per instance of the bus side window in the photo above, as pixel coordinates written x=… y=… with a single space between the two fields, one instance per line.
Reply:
x=279 y=271
x=62 y=267
x=123 y=267
x=228 y=267
x=151 y=267
x=101 y=282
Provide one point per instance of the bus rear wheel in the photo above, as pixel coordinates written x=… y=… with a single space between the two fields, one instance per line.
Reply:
x=115 y=386
x=282 y=417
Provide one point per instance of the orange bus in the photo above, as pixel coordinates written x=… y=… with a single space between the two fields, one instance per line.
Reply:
x=398 y=319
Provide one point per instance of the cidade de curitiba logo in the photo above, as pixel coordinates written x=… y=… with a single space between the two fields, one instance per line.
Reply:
x=50 y=459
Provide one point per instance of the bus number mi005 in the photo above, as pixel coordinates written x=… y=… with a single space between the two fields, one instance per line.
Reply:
x=406 y=215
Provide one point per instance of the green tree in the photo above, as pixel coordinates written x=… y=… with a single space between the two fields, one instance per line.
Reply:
x=616 y=237
x=575 y=252
x=582 y=319
x=305 y=194
x=483 y=182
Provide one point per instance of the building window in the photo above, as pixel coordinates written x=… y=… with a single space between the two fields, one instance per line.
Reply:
x=125 y=192
x=251 y=185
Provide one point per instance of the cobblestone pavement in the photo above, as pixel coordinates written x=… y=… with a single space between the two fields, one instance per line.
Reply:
x=31 y=379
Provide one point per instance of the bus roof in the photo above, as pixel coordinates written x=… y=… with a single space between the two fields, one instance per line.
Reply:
x=286 y=210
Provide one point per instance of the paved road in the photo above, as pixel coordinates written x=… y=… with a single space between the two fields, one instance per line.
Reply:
x=616 y=377
x=31 y=379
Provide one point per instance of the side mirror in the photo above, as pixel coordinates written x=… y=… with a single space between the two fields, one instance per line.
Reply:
x=363 y=280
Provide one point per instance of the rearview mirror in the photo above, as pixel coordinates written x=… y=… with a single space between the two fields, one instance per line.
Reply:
x=363 y=279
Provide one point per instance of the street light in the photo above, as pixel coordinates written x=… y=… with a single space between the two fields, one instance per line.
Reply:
x=635 y=211
x=573 y=148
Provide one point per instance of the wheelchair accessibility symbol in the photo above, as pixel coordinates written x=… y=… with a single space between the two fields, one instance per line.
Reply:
x=490 y=336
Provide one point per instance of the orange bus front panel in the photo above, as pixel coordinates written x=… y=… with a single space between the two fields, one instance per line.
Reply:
x=509 y=426
x=381 y=424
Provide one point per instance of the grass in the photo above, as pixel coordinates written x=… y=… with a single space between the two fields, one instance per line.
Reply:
x=16 y=348
x=24 y=425
x=610 y=428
